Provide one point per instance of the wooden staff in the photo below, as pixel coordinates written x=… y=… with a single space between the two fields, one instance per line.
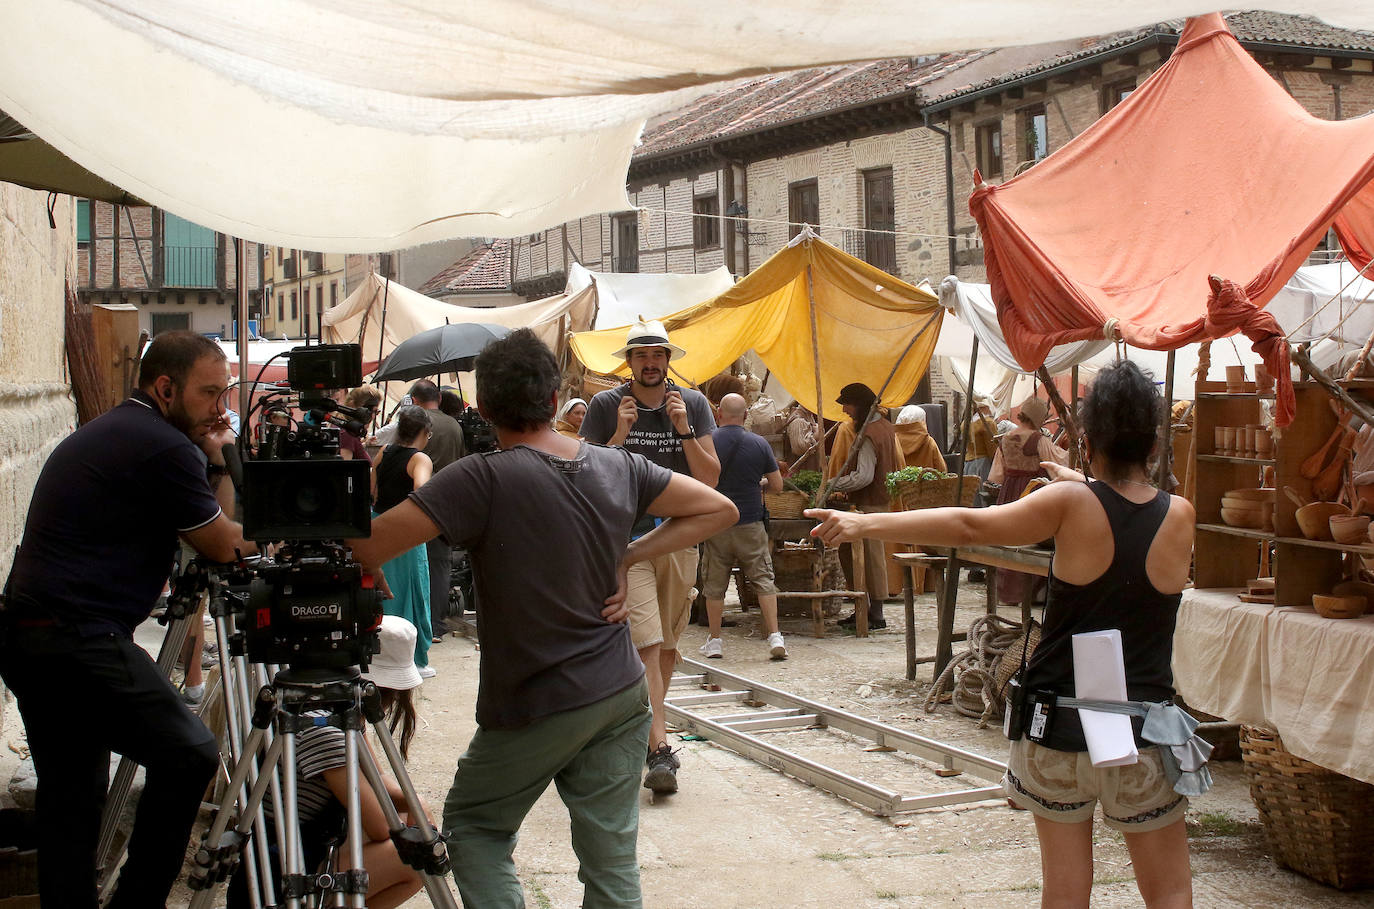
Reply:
x=1065 y=415
x=1310 y=370
x=816 y=371
x=1166 y=450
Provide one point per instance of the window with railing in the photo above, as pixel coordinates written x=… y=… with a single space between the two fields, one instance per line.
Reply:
x=706 y=222
x=625 y=253
x=189 y=253
x=880 y=220
x=987 y=139
x=803 y=206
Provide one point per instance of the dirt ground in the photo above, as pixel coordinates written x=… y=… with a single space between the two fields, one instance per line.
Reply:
x=739 y=834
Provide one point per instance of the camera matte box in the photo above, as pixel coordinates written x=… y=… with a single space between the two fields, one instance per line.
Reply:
x=307 y=499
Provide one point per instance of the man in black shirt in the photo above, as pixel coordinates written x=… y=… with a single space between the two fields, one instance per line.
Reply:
x=98 y=543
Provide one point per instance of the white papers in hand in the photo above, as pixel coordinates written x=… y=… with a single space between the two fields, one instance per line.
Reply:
x=1099 y=671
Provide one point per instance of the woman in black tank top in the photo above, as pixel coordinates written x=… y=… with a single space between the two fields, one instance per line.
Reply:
x=399 y=470
x=1122 y=556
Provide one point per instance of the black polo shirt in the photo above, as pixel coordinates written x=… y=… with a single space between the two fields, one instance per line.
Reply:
x=102 y=527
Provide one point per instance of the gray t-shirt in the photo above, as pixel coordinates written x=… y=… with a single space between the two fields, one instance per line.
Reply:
x=545 y=535
x=652 y=435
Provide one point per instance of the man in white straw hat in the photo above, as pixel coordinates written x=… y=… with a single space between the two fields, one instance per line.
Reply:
x=670 y=426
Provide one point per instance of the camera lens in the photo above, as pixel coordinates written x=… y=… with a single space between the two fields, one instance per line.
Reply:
x=310 y=500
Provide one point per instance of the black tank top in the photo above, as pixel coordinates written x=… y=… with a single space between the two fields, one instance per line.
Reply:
x=393 y=483
x=1122 y=598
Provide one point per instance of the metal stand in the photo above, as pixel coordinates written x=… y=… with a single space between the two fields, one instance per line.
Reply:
x=292 y=703
x=790 y=712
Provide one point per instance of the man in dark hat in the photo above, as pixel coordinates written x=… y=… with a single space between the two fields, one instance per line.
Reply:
x=862 y=477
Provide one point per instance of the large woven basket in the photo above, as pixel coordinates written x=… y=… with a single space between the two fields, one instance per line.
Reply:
x=1317 y=821
x=1010 y=660
x=594 y=382
x=786 y=504
x=911 y=496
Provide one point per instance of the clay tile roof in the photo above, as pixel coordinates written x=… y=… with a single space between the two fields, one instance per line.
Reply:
x=486 y=267
x=1250 y=27
x=749 y=105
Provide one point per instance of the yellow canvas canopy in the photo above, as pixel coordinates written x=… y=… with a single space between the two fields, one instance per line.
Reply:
x=866 y=322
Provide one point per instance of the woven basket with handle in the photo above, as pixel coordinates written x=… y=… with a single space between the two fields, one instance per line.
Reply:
x=911 y=496
x=786 y=504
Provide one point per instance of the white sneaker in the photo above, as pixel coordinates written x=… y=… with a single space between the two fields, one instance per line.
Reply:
x=713 y=649
x=776 y=648
x=427 y=672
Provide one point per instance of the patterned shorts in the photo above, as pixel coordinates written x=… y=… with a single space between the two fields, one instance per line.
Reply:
x=1064 y=786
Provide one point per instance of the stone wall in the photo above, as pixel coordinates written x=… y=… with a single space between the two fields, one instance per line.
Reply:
x=36 y=407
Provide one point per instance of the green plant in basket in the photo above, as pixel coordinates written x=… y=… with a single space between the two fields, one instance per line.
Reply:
x=808 y=481
x=914 y=475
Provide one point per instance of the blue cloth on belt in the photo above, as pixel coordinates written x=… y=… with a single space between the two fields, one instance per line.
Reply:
x=1184 y=753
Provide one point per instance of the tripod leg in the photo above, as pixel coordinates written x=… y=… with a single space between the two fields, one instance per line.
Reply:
x=426 y=852
x=259 y=874
x=118 y=794
x=355 y=817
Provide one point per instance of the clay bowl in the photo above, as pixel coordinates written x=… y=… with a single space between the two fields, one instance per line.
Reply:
x=1315 y=520
x=1244 y=504
x=1243 y=517
x=1333 y=607
x=1355 y=589
x=1349 y=528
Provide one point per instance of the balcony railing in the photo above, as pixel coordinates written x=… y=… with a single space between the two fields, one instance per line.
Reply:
x=189 y=266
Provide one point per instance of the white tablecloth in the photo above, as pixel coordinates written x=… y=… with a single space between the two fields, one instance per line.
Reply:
x=1310 y=678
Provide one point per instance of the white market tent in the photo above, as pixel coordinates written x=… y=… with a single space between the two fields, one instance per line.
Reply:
x=1331 y=305
x=623 y=297
x=428 y=119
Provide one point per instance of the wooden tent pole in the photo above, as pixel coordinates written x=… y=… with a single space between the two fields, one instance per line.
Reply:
x=816 y=370
x=968 y=418
x=1167 y=434
x=1066 y=416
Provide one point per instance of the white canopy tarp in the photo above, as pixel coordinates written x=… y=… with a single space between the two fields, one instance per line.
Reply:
x=359 y=125
x=623 y=297
x=359 y=318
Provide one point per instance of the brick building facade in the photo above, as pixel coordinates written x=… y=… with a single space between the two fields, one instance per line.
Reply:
x=178 y=274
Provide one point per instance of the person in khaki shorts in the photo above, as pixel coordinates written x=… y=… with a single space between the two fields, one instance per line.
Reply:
x=670 y=426
x=747 y=466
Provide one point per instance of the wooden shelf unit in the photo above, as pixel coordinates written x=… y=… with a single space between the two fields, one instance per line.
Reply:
x=1229 y=556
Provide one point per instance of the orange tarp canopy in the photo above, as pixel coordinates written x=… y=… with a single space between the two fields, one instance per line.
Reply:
x=1209 y=168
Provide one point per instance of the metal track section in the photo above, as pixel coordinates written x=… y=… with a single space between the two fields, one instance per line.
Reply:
x=737 y=731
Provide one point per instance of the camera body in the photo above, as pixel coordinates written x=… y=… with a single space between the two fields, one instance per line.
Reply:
x=309 y=604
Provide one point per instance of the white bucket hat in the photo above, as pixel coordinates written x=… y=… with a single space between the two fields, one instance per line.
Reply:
x=649 y=334
x=394 y=665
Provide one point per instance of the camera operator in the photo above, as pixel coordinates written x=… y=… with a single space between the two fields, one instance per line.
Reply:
x=562 y=695
x=98 y=543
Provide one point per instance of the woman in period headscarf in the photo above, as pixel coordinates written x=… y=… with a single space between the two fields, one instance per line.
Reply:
x=918 y=448
x=569 y=419
x=1016 y=462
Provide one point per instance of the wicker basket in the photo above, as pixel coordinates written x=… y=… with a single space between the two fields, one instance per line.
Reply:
x=1316 y=820
x=595 y=382
x=1010 y=660
x=786 y=504
x=934 y=493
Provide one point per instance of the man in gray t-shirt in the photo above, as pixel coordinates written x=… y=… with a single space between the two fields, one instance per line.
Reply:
x=670 y=426
x=561 y=695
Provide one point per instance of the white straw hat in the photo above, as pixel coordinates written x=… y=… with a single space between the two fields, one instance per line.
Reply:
x=394 y=665
x=649 y=334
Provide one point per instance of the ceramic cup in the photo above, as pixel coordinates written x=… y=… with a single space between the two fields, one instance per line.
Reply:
x=1235 y=378
x=1264 y=383
x=1219 y=439
x=1250 y=438
x=1228 y=439
x=1264 y=443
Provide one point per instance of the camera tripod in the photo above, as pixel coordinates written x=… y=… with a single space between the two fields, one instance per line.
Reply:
x=296 y=700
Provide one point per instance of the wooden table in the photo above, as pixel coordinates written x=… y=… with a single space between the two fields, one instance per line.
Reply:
x=1027 y=559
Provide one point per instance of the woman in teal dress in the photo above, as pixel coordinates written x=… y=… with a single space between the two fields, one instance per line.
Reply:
x=399 y=469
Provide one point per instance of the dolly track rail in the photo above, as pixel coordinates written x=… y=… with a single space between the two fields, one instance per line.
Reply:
x=736 y=732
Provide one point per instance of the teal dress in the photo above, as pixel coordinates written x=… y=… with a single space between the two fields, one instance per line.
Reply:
x=408 y=574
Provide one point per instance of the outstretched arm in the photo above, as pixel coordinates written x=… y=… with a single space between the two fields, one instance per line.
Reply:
x=1018 y=523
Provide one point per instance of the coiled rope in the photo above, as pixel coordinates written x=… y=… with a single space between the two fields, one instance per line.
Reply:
x=977 y=674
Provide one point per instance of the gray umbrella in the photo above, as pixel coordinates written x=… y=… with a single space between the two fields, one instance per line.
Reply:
x=448 y=348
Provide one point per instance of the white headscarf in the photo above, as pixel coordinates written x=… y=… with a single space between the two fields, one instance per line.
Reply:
x=912 y=413
x=569 y=405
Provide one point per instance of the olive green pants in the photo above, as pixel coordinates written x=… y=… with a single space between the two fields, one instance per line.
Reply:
x=595 y=756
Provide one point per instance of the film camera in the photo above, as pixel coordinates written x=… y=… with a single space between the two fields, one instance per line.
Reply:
x=307 y=605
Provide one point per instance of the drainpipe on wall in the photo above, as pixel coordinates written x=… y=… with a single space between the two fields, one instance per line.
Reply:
x=949 y=190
